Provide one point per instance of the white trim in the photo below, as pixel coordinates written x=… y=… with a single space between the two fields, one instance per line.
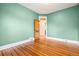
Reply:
x=21 y=42
x=64 y=40
x=14 y=44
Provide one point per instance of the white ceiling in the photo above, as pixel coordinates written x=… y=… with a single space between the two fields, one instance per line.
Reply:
x=46 y=8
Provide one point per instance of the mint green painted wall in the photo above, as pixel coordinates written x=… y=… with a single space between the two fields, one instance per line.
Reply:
x=64 y=23
x=16 y=23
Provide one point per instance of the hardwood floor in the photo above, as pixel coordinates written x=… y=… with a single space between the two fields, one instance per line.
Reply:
x=49 y=48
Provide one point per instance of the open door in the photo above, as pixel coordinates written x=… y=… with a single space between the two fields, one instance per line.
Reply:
x=36 y=31
x=40 y=30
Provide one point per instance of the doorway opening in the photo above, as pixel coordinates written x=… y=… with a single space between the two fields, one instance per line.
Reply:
x=40 y=29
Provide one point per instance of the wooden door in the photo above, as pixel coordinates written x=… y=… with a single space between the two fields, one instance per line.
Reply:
x=36 y=31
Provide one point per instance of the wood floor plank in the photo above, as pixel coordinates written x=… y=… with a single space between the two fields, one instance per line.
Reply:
x=4 y=52
x=8 y=53
x=50 y=52
x=49 y=48
x=42 y=51
x=30 y=51
x=24 y=51
x=13 y=52
x=0 y=53
x=57 y=48
x=66 y=49
x=19 y=52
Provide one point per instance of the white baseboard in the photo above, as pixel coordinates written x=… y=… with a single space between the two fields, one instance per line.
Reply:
x=30 y=39
x=64 y=40
x=15 y=44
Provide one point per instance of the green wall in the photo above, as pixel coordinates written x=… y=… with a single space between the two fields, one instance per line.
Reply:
x=16 y=23
x=64 y=24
